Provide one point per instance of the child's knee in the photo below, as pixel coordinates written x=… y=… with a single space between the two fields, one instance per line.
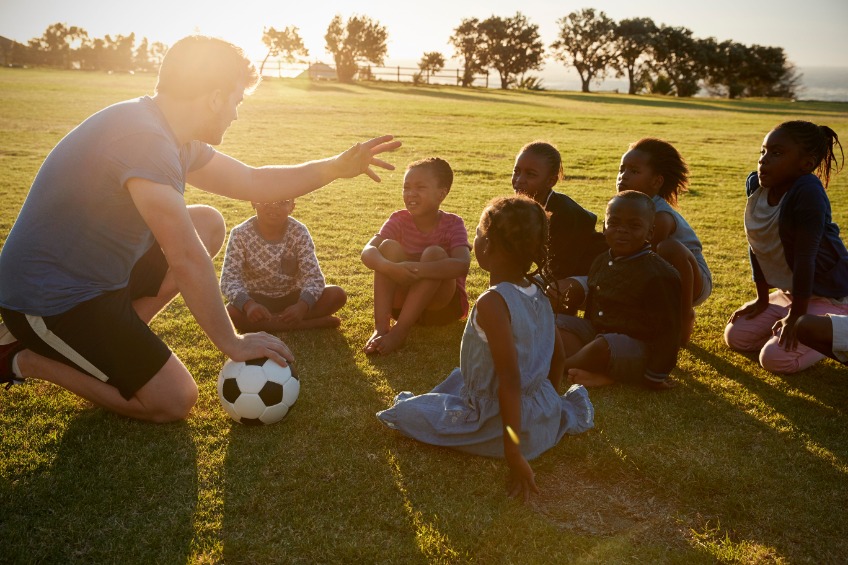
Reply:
x=434 y=253
x=775 y=359
x=392 y=250
x=336 y=295
x=741 y=338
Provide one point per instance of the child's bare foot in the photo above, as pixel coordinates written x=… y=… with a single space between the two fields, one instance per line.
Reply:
x=371 y=345
x=391 y=341
x=588 y=378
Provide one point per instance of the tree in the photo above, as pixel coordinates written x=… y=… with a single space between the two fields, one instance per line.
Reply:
x=679 y=57
x=119 y=52
x=633 y=42
x=511 y=46
x=284 y=44
x=360 y=40
x=770 y=74
x=431 y=63
x=727 y=68
x=586 y=42
x=467 y=41
x=92 y=54
x=56 y=44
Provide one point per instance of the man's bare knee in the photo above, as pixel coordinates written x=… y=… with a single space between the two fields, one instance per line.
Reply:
x=171 y=394
x=210 y=227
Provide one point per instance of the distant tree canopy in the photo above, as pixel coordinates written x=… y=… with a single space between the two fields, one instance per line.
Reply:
x=633 y=47
x=658 y=59
x=70 y=47
x=511 y=46
x=587 y=42
x=467 y=41
x=431 y=62
x=284 y=44
x=361 y=39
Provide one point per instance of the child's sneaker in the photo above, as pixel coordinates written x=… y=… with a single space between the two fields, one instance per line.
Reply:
x=9 y=346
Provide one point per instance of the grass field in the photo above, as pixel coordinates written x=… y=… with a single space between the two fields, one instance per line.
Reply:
x=733 y=465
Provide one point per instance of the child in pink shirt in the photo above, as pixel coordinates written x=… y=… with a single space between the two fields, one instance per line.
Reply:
x=420 y=259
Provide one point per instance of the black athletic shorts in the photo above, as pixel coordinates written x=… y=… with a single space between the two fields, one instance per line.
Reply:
x=103 y=337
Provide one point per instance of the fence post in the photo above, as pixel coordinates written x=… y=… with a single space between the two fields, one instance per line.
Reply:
x=398 y=73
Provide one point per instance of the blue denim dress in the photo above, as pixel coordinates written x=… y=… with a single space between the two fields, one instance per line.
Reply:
x=463 y=412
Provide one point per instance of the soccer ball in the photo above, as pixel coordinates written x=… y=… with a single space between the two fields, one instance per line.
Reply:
x=258 y=391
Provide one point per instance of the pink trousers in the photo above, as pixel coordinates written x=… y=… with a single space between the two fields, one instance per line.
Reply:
x=756 y=334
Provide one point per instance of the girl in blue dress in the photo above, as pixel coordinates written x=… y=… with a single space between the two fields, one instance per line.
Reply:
x=502 y=401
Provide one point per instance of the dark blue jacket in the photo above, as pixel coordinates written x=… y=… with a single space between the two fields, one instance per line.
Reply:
x=811 y=243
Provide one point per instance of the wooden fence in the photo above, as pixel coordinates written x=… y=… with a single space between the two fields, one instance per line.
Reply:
x=320 y=71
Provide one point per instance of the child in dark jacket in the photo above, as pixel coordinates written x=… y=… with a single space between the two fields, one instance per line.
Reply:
x=632 y=325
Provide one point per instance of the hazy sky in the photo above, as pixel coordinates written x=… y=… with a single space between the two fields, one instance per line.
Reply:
x=812 y=32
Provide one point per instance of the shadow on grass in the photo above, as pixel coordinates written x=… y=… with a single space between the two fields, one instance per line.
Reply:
x=96 y=502
x=708 y=469
x=304 y=488
x=773 y=464
x=471 y=95
x=744 y=106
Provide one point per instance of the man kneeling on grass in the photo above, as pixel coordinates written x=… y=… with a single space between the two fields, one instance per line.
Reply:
x=105 y=240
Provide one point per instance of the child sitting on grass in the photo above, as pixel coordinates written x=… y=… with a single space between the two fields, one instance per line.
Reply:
x=271 y=277
x=502 y=401
x=631 y=328
x=793 y=244
x=655 y=167
x=573 y=242
x=420 y=259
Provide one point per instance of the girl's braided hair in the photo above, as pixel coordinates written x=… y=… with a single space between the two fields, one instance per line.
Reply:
x=820 y=142
x=519 y=226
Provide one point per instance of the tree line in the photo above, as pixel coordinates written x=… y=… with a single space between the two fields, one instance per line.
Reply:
x=70 y=47
x=654 y=58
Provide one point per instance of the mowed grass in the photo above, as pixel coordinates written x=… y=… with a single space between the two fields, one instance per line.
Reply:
x=734 y=465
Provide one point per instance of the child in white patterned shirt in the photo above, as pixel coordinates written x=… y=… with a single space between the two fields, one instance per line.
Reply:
x=271 y=277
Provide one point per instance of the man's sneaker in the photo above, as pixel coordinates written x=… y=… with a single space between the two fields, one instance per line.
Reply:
x=9 y=346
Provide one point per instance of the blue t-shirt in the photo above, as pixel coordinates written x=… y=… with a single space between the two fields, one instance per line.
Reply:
x=79 y=233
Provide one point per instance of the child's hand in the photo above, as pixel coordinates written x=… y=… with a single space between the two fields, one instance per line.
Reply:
x=255 y=312
x=294 y=313
x=786 y=328
x=521 y=480
x=405 y=273
x=749 y=310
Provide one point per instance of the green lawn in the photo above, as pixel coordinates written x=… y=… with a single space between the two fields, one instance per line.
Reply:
x=734 y=465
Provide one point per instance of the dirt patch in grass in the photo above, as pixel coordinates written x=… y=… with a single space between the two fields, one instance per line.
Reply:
x=609 y=506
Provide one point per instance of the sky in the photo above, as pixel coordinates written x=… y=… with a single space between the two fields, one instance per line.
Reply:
x=811 y=32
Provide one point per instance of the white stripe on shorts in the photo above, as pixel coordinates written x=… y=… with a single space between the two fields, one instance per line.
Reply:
x=40 y=328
